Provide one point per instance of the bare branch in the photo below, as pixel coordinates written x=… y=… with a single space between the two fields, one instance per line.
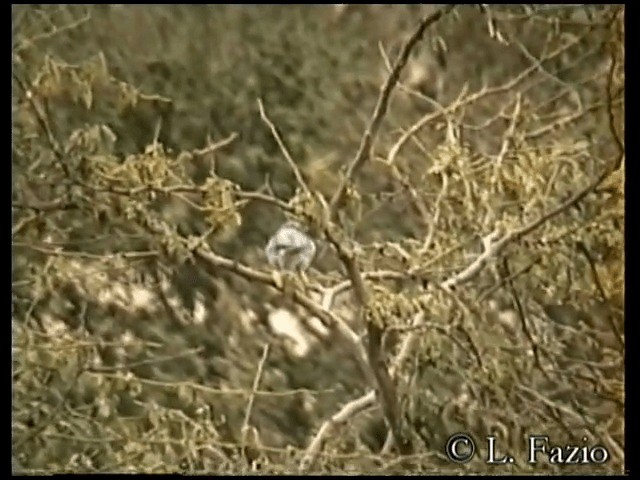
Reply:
x=217 y=145
x=60 y=252
x=493 y=246
x=376 y=359
x=250 y=436
x=232 y=392
x=486 y=293
x=254 y=387
x=371 y=132
x=603 y=295
x=403 y=87
x=151 y=361
x=433 y=224
x=29 y=42
x=329 y=319
x=463 y=99
x=59 y=204
x=507 y=140
x=283 y=148
x=22 y=223
x=376 y=364
x=343 y=415
x=521 y=315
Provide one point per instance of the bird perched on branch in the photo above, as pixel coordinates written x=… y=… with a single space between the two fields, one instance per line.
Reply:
x=290 y=248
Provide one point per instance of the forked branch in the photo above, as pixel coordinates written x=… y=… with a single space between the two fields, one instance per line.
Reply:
x=371 y=132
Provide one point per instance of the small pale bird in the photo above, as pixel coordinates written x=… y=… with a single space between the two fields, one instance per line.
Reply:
x=290 y=248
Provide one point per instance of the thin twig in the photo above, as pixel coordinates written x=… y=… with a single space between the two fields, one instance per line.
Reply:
x=59 y=204
x=348 y=411
x=216 y=146
x=283 y=148
x=254 y=387
x=168 y=190
x=486 y=293
x=43 y=122
x=28 y=42
x=536 y=61
x=404 y=88
x=507 y=140
x=594 y=272
x=150 y=361
x=59 y=252
x=233 y=392
x=371 y=132
x=22 y=223
x=436 y=216
x=463 y=99
x=521 y=315
x=603 y=295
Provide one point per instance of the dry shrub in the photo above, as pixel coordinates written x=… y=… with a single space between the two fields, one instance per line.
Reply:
x=479 y=227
